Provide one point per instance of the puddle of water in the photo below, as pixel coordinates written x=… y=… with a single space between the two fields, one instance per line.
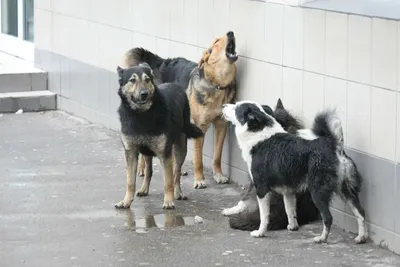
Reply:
x=164 y=220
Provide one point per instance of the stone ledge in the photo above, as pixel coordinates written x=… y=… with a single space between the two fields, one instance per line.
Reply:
x=31 y=101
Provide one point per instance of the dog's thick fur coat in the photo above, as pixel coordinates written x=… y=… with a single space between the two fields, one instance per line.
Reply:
x=209 y=84
x=287 y=164
x=155 y=121
x=246 y=216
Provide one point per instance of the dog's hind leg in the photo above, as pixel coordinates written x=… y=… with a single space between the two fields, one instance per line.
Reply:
x=131 y=163
x=168 y=181
x=289 y=200
x=220 y=127
x=142 y=165
x=199 y=181
x=357 y=209
x=179 y=151
x=144 y=189
x=321 y=200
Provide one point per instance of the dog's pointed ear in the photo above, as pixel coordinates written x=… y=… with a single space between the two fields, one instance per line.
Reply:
x=146 y=65
x=120 y=72
x=279 y=104
x=204 y=58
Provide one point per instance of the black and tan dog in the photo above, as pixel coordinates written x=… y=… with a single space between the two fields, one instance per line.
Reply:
x=155 y=121
x=209 y=84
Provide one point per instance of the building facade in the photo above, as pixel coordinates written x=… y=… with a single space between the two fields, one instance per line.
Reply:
x=312 y=55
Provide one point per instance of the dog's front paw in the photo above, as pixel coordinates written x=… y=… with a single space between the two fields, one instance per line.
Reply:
x=142 y=192
x=226 y=212
x=199 y=184
x=293 y=227
x=361 y=239
x=220 y=178
x=230 y=211
x=257 y=233
x=179 y=195
x=320 y=239
x=123 y=204
x=168 y=205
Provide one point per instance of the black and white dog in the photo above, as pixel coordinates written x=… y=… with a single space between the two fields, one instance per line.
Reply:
x=246 y=215
x=285 y=163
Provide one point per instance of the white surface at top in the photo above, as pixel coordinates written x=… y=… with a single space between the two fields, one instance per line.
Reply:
x=13 y=65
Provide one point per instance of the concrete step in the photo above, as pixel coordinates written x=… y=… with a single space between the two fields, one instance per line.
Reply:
x=17 y=75
x=31 y=101
x=21 y=82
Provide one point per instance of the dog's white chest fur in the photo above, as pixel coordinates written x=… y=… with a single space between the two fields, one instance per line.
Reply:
x=247 y=158
x=247 y=140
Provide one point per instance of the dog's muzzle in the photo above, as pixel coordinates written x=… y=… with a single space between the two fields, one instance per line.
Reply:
x=231 y=47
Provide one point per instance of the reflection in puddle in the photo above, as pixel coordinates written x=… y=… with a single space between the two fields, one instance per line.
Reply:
x=164 y=220
x=139 y=223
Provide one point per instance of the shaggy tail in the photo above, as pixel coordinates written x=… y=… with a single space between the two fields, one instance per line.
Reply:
x=137 y=55
x=249 y=221
x=328 y=124
x=192 y=131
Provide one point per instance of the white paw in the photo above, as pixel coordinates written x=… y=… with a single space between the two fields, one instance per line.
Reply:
x=220 y=178
x=123 y=204
x=231 y=211
x=226 y=212
x=142 y=192
x=179 y=195
x=361 y=239
x=293 y=227
x=257 y=233
x=199 y=184
x=168 y=205
x=320 y=239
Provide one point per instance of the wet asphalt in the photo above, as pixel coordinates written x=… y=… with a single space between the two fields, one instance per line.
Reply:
x=60 y=177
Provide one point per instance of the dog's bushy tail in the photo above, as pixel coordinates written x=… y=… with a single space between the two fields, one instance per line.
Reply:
x=328 y=124
x=137 y=55
x=192 y=131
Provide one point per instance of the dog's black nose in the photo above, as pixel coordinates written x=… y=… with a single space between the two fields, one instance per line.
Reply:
x=143 y=94
x=230 y=34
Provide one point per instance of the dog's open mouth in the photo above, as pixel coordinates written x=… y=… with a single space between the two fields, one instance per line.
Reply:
x=231 y=48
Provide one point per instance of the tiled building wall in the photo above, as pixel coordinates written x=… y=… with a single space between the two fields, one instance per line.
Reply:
x=310 y=58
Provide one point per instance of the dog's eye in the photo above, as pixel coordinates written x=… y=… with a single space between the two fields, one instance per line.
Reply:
x=147 y=80
x=132 y=80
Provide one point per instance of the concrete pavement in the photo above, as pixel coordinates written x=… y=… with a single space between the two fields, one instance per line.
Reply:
x=60 y=177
